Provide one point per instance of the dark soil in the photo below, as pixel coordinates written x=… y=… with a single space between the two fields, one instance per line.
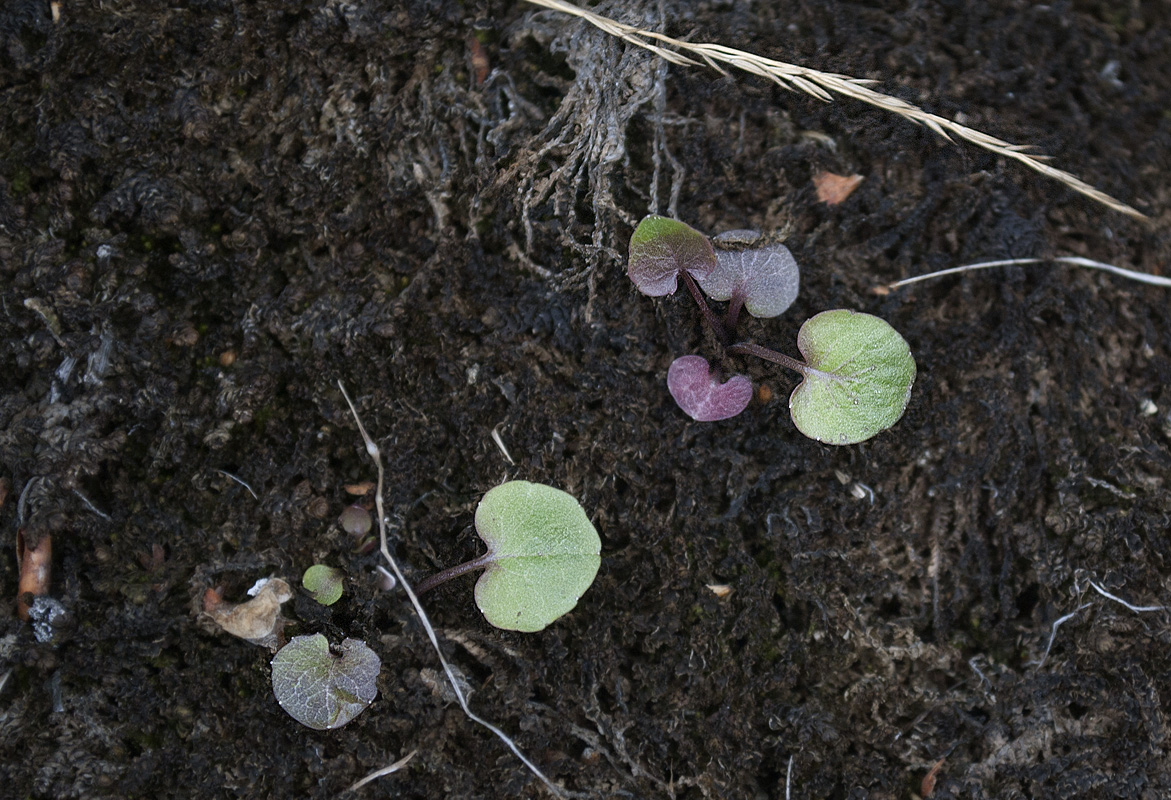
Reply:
x=212 y=211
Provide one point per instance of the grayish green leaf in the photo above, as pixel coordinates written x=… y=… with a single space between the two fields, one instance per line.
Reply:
x=321 y=688
x=543 y=554
x=858 y=378
x=765 y=279
x=324 y=583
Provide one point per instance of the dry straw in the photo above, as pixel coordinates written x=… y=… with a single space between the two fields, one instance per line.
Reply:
x=823 y=85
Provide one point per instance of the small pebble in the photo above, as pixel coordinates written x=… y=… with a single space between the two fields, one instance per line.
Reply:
x=356 y=521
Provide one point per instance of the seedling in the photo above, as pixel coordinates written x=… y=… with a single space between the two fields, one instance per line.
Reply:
x=858 y=371
x=764 y=280
x=662 y=250
x=355 y=521
x=543 y=553
x=324 y=583
x=701 y=395
x=857 y=375
x=324 y=687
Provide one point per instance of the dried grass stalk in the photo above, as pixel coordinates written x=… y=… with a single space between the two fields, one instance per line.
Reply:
x=823 y=85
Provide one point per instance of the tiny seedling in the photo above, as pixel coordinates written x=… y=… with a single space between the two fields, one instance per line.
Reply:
x=858 y=371
x=324 y=583
x=355 y=521
x=324 y=687
x=858 y=374
x=543 y=553
x=662 y=250
x=764 y=280
x=700 y=394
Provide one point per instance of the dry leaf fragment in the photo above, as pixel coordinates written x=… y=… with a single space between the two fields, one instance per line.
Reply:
x=720 y=590
x=35 y=565
x=833 y=189
x=928 y=784
x=479 y=57
x=259 y=620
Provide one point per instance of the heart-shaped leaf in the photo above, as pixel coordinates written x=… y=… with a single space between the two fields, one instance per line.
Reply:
x=765 y=278
x=858 y=377
x=320 y=688
x=701 y=396
x=661 y=248
x=543 y=553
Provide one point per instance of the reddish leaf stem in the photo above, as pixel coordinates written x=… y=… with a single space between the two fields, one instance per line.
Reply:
x=733 y=315
x=749 y=349
x=438 y=578
x=708 y=315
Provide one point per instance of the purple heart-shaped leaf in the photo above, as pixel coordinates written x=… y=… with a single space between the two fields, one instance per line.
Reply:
x=661 y=248
x=701 y=396
x=765 y=279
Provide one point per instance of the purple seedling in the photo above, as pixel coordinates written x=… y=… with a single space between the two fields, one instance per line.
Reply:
x=858 y=371
x=701 y=395
x=764 y=280
x=662 y=251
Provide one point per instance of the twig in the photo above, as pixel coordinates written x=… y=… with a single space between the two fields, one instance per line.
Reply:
x=820 y=85
x=1109 y=596
x=376 y=455
x=1077 y=261
x=239 y=481
x=378 y=773
x=1053 y=635
x=91 y=506
x=788 y=776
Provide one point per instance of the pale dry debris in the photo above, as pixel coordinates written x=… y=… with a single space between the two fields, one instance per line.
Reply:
x=258 y=620
x=833 y=189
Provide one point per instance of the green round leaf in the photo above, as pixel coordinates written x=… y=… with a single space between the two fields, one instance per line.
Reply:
x=859 y=377
x=324 y=689
x=543 y=554
x=324 y=583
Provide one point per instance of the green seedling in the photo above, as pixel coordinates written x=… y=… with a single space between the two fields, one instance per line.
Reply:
x=324 y=583
x=858 y=371
x=858 y=374
x=543 y=553
x=324 y=687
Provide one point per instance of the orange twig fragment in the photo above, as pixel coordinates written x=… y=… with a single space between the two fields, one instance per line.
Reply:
x=36 y=568
x=928 y=784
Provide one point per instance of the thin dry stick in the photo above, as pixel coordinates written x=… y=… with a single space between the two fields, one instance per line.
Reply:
x=823 y=85
x=1077 y=261
x=1057 y=623
x=376 y=455
x=378 y=773
x=1138 y=609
